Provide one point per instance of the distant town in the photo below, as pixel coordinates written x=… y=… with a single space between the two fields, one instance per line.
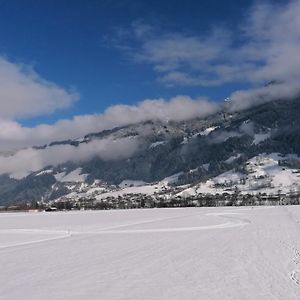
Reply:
x=134 y=201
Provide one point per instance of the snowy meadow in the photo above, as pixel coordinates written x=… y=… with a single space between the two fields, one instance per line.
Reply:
x=187 y=253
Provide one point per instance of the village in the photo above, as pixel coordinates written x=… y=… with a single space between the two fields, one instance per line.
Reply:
x=136 y=201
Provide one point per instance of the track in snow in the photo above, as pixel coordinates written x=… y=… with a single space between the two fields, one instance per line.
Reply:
x=199 y=253
x=34 y=236
x=295 y=274
x=52 y=235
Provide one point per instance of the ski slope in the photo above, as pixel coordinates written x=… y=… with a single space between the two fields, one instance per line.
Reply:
x=187 y=253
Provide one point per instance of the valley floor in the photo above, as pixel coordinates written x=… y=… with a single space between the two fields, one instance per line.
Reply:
x=186 y=253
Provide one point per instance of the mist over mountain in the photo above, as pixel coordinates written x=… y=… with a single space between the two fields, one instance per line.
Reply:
x=195 y=150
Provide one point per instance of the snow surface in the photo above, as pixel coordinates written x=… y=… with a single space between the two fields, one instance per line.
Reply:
x=206 y=166
x=260 y=137
x=154 y=145
x=208 y=130
x=49 y=171
x=74 y=176
x=171 y=179
x=232 y=158
x=185 y=141
x=144 y=189
x=140 y=187
x=191 y=253
x=128 y=183
x=60 y=176
x=264 y=175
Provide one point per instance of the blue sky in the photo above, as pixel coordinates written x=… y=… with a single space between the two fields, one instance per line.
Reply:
x=68 y=43
x=68 y=68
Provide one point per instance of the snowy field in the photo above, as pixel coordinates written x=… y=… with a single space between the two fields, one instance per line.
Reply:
x=190 y=253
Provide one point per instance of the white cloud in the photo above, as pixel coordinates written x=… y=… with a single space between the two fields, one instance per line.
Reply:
x=13 y=135
x=24 y=94
x=27 y=160
x=23 y=161
x=264 y=47
x=244 y=99
x=272 y=32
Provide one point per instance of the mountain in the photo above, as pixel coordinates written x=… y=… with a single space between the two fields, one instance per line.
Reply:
x=253 y=150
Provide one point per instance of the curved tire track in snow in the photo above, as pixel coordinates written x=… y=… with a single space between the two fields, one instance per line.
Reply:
x=233 y=222
x=56 y=235
x=177 y=229
x=295 y=274
x=234 y=217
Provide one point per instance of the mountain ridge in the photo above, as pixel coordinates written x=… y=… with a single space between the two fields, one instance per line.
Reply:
x=208 y=146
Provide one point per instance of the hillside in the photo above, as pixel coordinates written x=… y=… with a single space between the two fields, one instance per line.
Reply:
x=207 y=155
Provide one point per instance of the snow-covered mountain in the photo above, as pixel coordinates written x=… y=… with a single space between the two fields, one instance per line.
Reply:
x=265 y=173
x=252 y=151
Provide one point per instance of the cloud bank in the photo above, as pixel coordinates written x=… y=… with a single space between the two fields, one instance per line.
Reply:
x=28 y=160
x=13 y=135
x=244 y=99
x=24 y=94
x=264 y=47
